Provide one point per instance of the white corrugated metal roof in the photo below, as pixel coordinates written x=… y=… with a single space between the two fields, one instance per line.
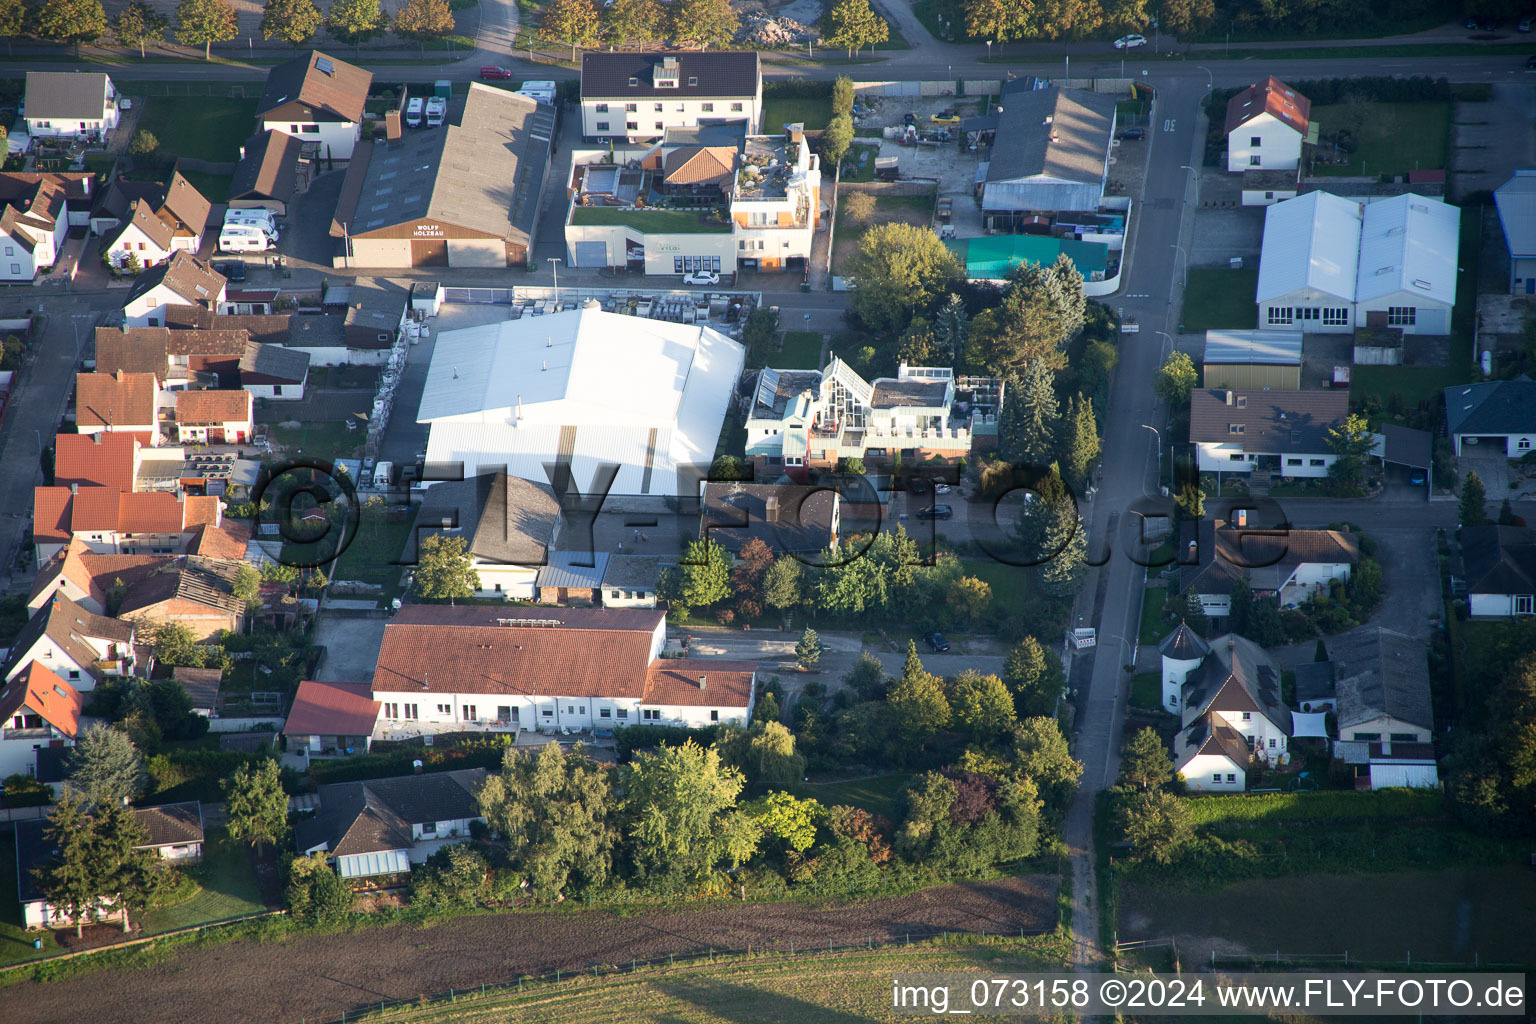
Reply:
x=1415 y=776
x=1516 y=200
x=1310 y=242
x=1276 y=348
x=1408 y=244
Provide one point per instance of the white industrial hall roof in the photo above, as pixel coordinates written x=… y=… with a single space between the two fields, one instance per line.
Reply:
x=1273 y=348
x=594 y=387
x=1408 y=244
x=1311 y=242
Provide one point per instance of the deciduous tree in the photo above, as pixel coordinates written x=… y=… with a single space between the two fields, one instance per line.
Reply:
x=555 y=812
x=1186 y=17
x=445 y=569
x=1043 y=755
x=315 y=892
x=859 y=207
x=205 y=22
x=704 y=23
x=981 y=704
x=454 y=877
x=854 y=25
x=1176 y=378
x=786 y=819
x=634 y=22
x=998 y=20
x=705 y=574
x=782 y=587
x=72 y=21
x=680 y=816
x=1035 y=676
x=424 y=19
x=917 y=701
x=138 y=24
x=771 y=753
x=293 y=21
x=13 y=22
x=842 y=95
x=836 y=138
x=900 y=270
x=355 y=21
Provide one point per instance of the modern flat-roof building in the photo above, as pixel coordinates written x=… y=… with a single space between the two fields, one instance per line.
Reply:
x=1516 y=202
x=636 y=96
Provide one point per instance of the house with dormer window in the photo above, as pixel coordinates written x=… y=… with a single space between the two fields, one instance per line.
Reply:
x=1227 y=694
x=638 y=96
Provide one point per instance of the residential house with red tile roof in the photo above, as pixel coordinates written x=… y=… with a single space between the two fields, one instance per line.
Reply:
x=91 y=580
x=38 y=709
x=552 y=670
x=36 y=211
x=117 y=403
x=112 y=521
x=169 y=219
x=332 y=717
x=182 y=280
x=97 y=460
x=214 y=417
x=196 y=592
x=1265 y=127
x=78 y=646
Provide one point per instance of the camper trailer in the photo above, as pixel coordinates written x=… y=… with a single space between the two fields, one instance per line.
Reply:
x=244 y=238
x=437 y=109
x=413 y=112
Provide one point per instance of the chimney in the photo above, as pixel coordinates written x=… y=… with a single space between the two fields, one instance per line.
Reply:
x=1231 y=643
x=1242 y=517
x=242 y=152
x=1228 y=396
x=392 y=131
x=74 y=488
x=771 y=508
x=1194 y=551
x=703 y=682
x=85 y=183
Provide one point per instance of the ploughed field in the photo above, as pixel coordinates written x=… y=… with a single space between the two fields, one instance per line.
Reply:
x=318 y=977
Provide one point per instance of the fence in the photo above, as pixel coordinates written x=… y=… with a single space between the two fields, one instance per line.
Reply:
x=128 y=944
x=1344 y=960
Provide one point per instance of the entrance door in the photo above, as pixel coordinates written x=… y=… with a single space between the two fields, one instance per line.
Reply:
x=429 y=252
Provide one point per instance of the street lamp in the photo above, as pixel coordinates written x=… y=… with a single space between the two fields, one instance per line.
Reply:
x=1180 y=248
x=1159 y=436
x=554 y=262
x=1196 y=175
x=1130 y=657
x=989 y=49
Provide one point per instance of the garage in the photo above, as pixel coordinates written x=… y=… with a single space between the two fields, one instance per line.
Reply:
x=590 y=254
x=429 y=252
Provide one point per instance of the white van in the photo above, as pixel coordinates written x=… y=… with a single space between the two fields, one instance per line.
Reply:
x=413 y=111
x=381 y=474
x=437 y=107
x=243 y=238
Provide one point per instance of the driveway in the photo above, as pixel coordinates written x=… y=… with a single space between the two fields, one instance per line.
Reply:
x=307 y=241
x=1410 y=577
x=351 y=647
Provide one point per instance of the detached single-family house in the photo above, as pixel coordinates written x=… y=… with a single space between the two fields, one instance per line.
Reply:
x=214 y=417
x=169 y=219
x=182 y=280
x=553 y=670
x=1266 y=125
x=794 y=519
x=1382 y=686
x=76 y=645
x=1232 y=713
x=1284 y=433
x=90 y=580
x=1293 y=565
x=634 y=95
x=36 y=212
x=1499 y=569
x=316 y=98
x=1516 y=203
x=510 y=525
x=38 y=710
x=383 y=826
x=70 y=103
x=118 y=403
x=332 y=718
x=1050 y=155
x=1494 y=415
x=274 y=167
x=112 y=521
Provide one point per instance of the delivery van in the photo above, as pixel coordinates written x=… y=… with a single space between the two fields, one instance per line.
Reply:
x=413 y=111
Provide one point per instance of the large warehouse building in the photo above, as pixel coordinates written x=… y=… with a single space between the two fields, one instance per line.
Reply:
x=577 y=391
x=465 y=195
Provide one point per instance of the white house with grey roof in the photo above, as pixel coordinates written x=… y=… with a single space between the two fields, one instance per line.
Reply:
x=1282 y=432
x=1495 y=414
x=1331 y=265
x=510 y=525
x=1382 y=686
x=70 y=103
x=1050 y=154
x=465 y=195
x=638 y=96
x=1231 y=710
x=1516 y=203
x=584 y=399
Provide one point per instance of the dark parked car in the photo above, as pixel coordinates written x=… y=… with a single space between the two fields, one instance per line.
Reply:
x=1471 y=24
x=234 y=270
x=1530 y=63
x=1416 y=477
x=936 y=512
x=936 y=641
x=1133 y=134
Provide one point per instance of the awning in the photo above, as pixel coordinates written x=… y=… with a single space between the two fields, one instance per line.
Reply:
x=1305 y=724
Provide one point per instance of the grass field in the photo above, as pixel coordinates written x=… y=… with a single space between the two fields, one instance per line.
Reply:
x=801 y=351
x=781 y=110
x=1154 y=624
x=1330 y=806
x=1218 y=298
x=1394 y=138
x=202 y=127
x=1147 y=691
x=830 y=988
x=877 y=795
x=226 y=889
x=322 y=440
x=916 y=209
x=1009 y=583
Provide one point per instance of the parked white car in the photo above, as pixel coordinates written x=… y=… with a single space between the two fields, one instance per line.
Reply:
x=1130 y=42
x=701 y=277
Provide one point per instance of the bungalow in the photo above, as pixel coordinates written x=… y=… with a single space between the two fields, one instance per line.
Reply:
x=630 y=581
x=332 y=717
x=1293 y=565
x=316 y=98
x=1232 y=714
x=1496 y=414
x=509 y=523
x=70 y=103
x=383 y=826
x=194 y=591
x=546 y=669
x=214 y=417
x=36 y=212
x=173 y=831
x=1382 y=686
x=78 y=646
x=169 y=218
x=1499 y=570
x=1265 y=127
x=181 y=280
x=118 y=402
x=1283 y=433
x=38 y=709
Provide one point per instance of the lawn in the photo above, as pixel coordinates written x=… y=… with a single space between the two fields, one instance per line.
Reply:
x=860 y=157
x=374 y=555
x=1154 y=624
x=916 y=209
x=203 y=127
x=15 y=944
x=801 y=351
x=227 y=889
x=677 y=221
x=781 y=110
x=214 y=187
x=322 y=440
x=1216 y=298
x=1394 y=137
x=1147 y=691
x=1009 y=583
x=877 y=795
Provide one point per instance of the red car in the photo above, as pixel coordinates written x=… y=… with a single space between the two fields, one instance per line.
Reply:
x=494 y=71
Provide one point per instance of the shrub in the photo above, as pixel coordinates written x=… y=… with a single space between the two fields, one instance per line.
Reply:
x=144 y=143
